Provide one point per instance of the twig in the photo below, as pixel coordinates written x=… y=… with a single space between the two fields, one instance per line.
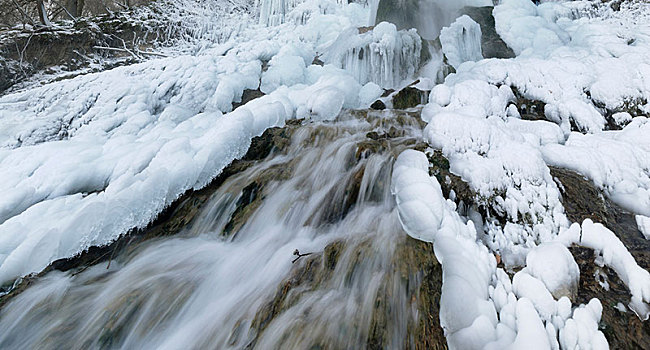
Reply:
x=297 y=253
x=117 y=49
x=129 y=51
x=22 y=53
x=65 y=10
x=23 y=12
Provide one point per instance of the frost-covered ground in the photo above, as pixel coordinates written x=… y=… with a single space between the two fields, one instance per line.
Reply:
x=86 y=160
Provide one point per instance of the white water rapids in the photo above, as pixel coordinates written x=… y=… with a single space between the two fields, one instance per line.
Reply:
x=205 y=287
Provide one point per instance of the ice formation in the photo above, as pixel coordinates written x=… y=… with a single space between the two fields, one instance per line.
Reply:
x=383 y=55
x=274 y=12
x=427 y=16
x=75 y=151
x=480 y=307
x=82 y=164
x=461 y=41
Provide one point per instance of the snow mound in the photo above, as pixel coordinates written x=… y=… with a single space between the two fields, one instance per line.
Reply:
x=644 y=225
x=553 y=264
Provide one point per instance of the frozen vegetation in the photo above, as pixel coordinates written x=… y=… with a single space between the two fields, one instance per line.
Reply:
x=84 y=161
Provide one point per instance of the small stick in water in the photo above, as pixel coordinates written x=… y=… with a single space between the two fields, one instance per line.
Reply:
x=297 y=253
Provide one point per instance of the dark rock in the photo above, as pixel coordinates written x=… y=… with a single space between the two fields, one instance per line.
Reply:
x=492 y=45
x=528 y=109
x=387 y=92
x=378 y=105
x=247 y=96
x=410 y=97
x=582 y=200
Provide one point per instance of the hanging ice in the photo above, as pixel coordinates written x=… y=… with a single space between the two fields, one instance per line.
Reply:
x=427 y=16
x=461 y=42
x=384 y=55
x=274 y=12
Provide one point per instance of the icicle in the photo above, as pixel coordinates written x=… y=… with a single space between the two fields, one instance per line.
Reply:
x=383 y=55
x=274 y=12
x=461 y=42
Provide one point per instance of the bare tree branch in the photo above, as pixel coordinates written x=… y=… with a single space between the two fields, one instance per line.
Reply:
x=65 y=10
x=23 y=12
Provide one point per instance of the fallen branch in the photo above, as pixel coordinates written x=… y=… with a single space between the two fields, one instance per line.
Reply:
x=65 y=10
x=297 y=253
x=129 y=51
x=23 y=12
x=117 y=49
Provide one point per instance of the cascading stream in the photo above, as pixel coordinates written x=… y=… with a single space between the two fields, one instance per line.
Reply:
x=228 y=281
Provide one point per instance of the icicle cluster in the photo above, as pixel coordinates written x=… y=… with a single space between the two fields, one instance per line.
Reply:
x=383 y=55
x=274 y=12
x=461 y=42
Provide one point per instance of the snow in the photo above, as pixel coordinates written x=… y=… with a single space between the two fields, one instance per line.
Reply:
x=480 y=307
x=583 y=62
x=618 y=162
x=553 y=264
x=644 y=225
x=85 y=160
x=616 y=256
x=461 y=41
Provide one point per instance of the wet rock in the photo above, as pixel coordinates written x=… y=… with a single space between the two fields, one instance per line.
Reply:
x=528 y=109
x=378 y=105
x=410 y=97
x=439 y=167
x=247 y=96
x=413 y=267
x=582 y=200
x=623 y=330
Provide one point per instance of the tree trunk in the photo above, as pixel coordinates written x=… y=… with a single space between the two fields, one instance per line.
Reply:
x=71 y=6
x=79 y=7
x=42 y=13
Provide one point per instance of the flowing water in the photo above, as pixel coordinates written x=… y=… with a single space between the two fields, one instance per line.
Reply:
x=227 y=280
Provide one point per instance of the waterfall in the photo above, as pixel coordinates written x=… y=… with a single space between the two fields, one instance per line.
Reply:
x=227 y=279
x=427 y=16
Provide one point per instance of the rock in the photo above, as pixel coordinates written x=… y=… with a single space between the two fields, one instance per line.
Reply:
x=410 y=97
x=582 y=200
x=247 y=96
x=378 y=105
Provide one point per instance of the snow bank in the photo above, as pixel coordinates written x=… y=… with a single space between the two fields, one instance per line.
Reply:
x=500 y=158
x=84 y=161
x=461 y=41
x=466 y=315
x=384 y=55
x=618 y=162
